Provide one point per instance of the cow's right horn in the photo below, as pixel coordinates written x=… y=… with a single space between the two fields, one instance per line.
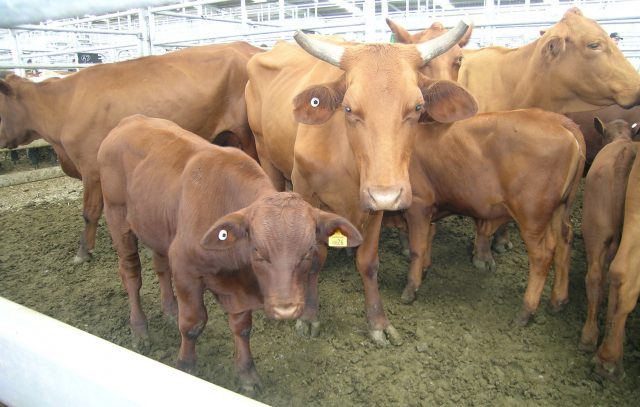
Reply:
x=439 y=45
x=325 y=51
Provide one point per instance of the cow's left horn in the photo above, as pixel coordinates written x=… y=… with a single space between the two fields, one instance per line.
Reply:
x=323 y=50
x=440 y=45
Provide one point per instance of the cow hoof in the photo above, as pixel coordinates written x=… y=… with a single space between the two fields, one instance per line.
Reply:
x=502 y=247
x=523 y=318
x=250 y=388
x=308 y=329
x=81 y=258
x=608 y=370
x=484 y=265
x=558 y=306
x=587 y=346
x=141 y=344
x=384 y=337
x=408 y=295
x=186 y=366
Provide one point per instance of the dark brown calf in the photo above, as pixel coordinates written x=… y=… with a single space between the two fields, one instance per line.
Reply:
x=602 y=215
x=523 y=165
x=213 y=221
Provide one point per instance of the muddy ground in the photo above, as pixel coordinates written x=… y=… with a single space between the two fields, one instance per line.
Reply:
x=460 y=347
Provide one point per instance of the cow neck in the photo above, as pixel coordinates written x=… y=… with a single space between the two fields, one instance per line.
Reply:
x=48 y=104
x=518 y=82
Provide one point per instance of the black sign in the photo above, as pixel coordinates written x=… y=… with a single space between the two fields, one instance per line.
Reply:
x=89 y=58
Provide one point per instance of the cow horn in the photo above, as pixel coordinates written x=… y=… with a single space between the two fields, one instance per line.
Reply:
x=323 y=50
x=439 y=45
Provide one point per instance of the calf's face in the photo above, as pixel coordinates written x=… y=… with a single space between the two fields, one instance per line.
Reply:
x=281 y=233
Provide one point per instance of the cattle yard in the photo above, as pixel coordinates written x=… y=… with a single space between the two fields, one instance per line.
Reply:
x=457 y=333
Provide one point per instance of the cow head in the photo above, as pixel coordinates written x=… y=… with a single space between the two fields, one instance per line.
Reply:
x=381 y=97
x=616 y=130
x=281 y=233
x=14 y=117
x=582 y=60
x=445 y=66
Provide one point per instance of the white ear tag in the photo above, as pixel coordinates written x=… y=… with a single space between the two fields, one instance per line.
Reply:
x=634 y=125
x=315 y=102
x=222 y=235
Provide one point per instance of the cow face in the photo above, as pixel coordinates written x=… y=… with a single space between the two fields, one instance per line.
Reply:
x=585 y=61
x=381 y=98
x=282 y=233
x=13 y=115
x=445 y=66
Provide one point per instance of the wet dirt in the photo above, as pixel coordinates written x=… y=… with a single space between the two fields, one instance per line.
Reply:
x=459 y=344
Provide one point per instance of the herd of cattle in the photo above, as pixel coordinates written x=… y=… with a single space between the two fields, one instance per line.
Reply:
x=401 y=134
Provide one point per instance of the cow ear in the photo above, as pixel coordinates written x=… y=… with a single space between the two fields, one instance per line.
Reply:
x=328 y=224
x=553 y=47
x=226 y=232
x=400 y=33
x=315 y=105
x=446 y=101
x=6 y=89
x=599 y=126
x=542 y=32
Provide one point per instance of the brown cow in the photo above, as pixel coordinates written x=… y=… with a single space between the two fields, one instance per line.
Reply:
x=602 y=215
x=574 y=66
x=346 y=141
x=524 y=165
x=213 y=221
x=592 y=136
x=200 y=88
x=624 y=280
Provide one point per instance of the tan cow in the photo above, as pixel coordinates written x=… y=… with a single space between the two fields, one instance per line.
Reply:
x=574 y=66
x=200 y=88
x=213 y=221
x=602 y=215
x=339 y=121
x=624 y=281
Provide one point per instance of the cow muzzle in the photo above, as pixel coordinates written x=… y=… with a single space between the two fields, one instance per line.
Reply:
x=284 y=311
x=386 y=198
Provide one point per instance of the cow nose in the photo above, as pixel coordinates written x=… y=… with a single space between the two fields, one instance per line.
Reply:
x=286 y=311
x=384 y=198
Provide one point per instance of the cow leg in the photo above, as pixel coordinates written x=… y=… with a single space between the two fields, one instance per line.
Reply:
x=126 y=244
x=540 y=248
x=594 y=283
x=367 y=262
x=92 y=208
x=624 y=290
x=420 y=240
x=167 y=299
x=240 y=325
x=563 y=232
x=482 y=257
x=308 y=325
x=192 y=316
x=501 y=240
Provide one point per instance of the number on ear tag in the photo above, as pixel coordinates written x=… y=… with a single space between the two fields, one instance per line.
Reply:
x=337 y=240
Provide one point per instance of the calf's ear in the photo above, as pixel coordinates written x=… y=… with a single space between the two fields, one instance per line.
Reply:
x=226 y=232
x=446 y=101
x=5 y=88
x=599 y=126
x=327 y=224
x=315 y=105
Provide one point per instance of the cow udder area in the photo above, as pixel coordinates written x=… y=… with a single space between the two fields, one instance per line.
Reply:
x=459 y=344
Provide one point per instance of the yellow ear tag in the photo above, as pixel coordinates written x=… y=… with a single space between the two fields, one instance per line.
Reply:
x=337 y=240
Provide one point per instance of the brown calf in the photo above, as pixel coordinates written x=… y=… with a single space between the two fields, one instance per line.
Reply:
x=602 y=215
x=624 y=286
x=523 y=165
x=213 y=221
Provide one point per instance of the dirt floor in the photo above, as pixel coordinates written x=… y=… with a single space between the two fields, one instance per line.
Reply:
x=460 y=346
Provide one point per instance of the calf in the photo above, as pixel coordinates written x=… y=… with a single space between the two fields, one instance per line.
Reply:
x=214 y=221
x=602 y=215
x=523 y=165
x=624 y=276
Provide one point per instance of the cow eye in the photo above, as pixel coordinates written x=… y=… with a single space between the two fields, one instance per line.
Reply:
x=347 y=109
x=418 y=107
x=593 y=45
